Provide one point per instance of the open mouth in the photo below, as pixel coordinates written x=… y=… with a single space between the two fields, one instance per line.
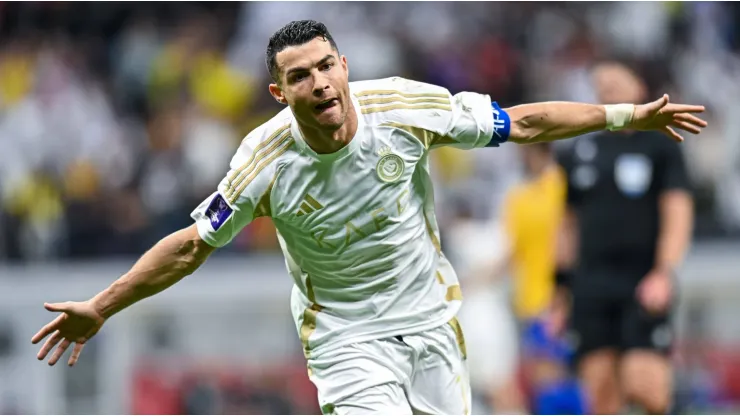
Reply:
x=325 y=105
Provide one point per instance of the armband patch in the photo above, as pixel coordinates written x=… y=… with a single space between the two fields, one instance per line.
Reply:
x=218 y=212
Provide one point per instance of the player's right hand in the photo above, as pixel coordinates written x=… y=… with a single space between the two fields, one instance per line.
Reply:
x=664 y=116
x=77 y=323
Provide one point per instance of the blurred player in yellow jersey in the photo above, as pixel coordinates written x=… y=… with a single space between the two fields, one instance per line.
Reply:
x=531 y=216
x=343 y=172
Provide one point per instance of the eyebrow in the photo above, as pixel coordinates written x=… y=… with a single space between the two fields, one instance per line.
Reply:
x=301 y=69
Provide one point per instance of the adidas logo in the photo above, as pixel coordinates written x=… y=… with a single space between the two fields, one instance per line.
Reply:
x=308 y=206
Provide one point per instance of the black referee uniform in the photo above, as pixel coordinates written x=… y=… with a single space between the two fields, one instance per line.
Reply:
x=614 y=184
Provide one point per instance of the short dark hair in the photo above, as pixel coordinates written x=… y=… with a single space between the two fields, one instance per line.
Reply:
x=294 y=33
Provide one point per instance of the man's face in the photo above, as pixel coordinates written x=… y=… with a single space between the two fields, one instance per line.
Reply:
x=615 y=84
x=314 y=82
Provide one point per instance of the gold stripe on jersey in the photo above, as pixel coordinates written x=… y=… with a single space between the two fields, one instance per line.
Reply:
x=263 y=208
x=275 y=134
x=247 y=170
x=314 y=203
x=459 y=336
x=464 y=392
x=238 y=172
x=420 y=100
x=440 y=279
x=371 y=110
x=308 y=206
x=453 y=293
x=426 y=137
x=308 y=326
x=402 y=94
x=282 y=147
x=435 y=241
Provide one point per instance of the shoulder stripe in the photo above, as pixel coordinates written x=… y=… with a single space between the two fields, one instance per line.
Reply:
x=402 y=94
x=277 y=133
x=284 y=145
x=426 y=99
x=263 y=208
x=260 y=152
x=370 y=110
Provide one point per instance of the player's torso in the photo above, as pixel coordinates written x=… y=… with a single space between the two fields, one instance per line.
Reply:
x=352 y=223
x=358 y=228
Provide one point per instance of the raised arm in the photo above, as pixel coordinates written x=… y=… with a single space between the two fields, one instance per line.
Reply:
x=242 y=195
x=549 y=121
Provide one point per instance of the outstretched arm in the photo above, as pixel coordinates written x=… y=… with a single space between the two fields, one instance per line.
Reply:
x=171 y=259
x=549 y=121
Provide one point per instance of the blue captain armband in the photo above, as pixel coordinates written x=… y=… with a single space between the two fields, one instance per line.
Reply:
x=501 y=126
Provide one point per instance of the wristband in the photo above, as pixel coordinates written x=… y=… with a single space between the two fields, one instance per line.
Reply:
x=619 y=116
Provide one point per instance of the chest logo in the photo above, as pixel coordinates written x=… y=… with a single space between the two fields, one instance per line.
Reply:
x=390 y=166
x=633 y=174
x=308 y=205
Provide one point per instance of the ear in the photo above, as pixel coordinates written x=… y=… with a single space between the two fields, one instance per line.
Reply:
x=277 y=93
x=343 y=60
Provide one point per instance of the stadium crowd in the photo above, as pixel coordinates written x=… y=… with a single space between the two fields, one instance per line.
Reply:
x=116 y=119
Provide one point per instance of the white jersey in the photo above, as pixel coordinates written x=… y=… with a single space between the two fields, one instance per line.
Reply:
x=357 y=227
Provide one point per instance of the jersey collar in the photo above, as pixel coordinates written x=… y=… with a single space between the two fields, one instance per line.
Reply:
x=346 y=150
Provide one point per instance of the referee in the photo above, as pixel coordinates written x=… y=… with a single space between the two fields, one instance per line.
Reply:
x=628 y=224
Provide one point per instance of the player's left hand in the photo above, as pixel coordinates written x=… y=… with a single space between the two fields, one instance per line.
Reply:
x=655 y=291
x=664 y=116
x=76 y=323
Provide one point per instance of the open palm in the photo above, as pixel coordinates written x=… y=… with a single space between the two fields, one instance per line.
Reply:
x=77 y=323
x=662 y=115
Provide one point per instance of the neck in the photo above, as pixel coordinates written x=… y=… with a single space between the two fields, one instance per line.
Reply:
x=330 y=141
x=537 y=171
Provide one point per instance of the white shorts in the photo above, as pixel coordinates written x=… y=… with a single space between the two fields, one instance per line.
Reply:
x=424 y=373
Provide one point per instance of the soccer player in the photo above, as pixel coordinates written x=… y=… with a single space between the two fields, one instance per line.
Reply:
x=629 y=222
x=532 y=213
x=343 y=171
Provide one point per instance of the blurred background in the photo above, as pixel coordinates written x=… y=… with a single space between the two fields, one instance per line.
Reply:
x=117 y=119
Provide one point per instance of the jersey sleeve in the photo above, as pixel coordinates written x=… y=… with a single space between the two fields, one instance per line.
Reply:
x=438 y=118
x=474 y=121
x=242 y=195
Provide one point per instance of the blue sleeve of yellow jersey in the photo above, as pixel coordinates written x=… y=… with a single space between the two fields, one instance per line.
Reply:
x=501 y=126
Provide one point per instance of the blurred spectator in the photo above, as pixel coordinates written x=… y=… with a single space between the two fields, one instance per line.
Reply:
x=118 y=121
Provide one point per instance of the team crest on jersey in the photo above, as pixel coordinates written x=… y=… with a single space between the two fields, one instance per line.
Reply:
x=390 y=166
